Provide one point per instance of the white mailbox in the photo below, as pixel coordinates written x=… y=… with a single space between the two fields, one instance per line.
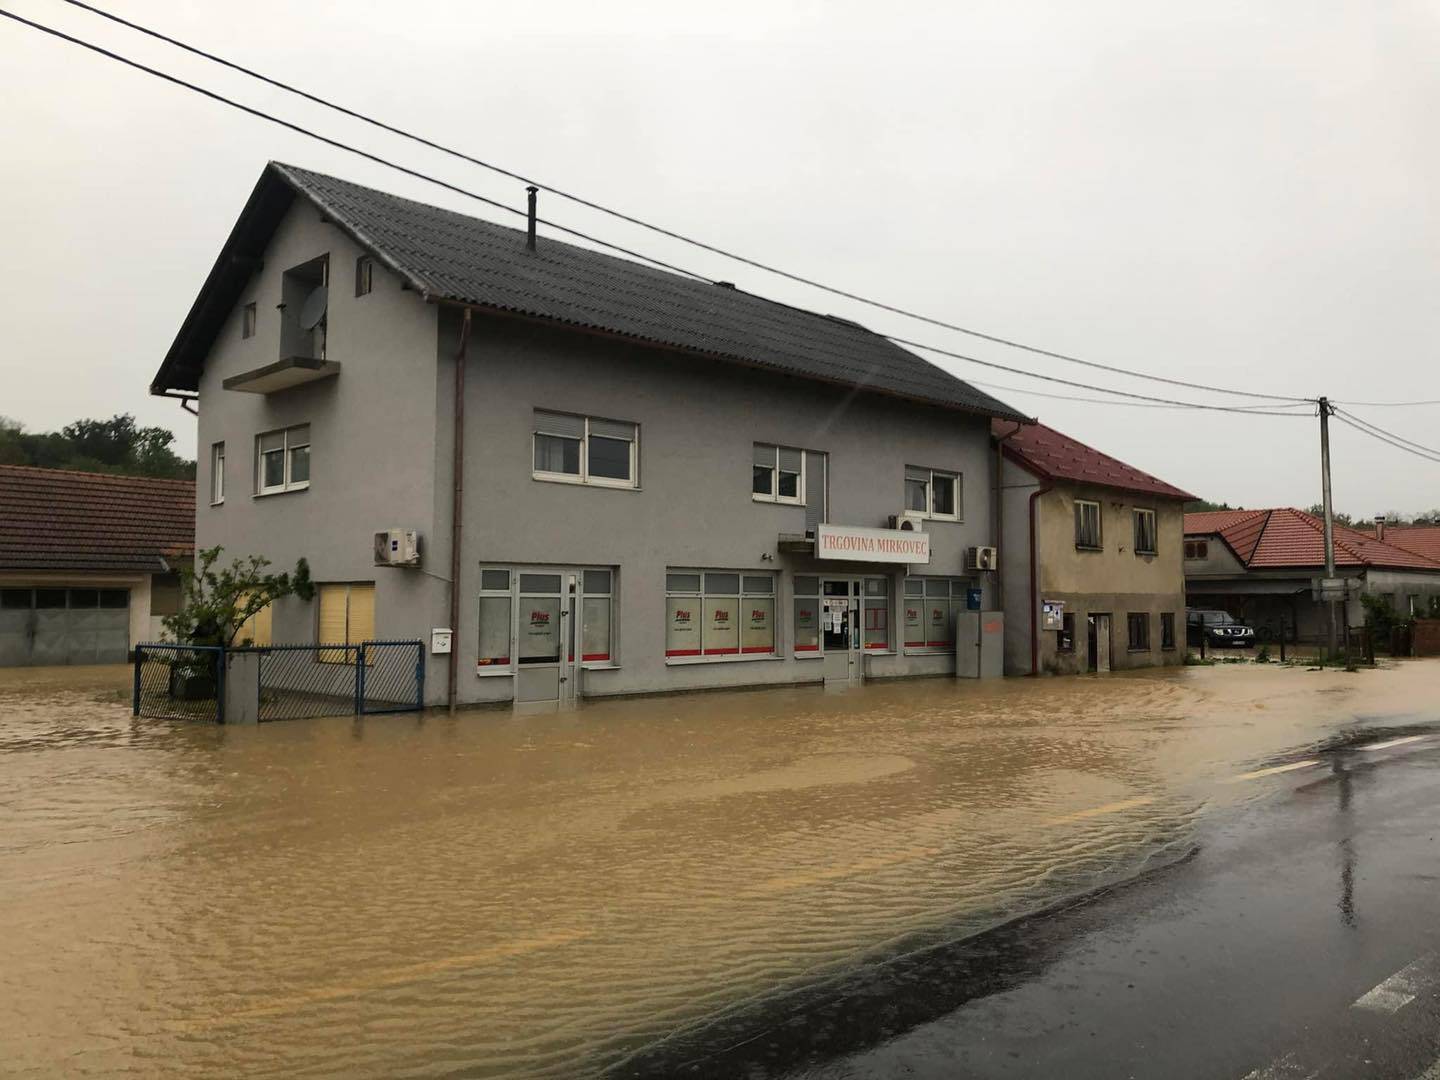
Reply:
x=440 y=641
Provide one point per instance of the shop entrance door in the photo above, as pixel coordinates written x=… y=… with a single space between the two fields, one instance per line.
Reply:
x=545 y=676
x=840 y=623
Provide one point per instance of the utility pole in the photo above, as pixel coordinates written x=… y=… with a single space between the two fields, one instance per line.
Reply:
x=1329 y=513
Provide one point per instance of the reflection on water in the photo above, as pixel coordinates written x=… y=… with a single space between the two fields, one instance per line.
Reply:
x=541 y=896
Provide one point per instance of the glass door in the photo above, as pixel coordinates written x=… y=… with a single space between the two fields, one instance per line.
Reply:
x=545 y=638
x=840 y=630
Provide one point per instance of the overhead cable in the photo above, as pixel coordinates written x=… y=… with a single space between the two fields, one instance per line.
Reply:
x=1344 y=419
x=651 y=226
x=298 y=129
x=1379 y=430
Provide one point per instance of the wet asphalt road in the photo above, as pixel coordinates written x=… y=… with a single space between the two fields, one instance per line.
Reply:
x=1300 y=937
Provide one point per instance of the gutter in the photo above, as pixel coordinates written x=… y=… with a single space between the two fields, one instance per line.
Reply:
x=457 y=506
x=1045 y=486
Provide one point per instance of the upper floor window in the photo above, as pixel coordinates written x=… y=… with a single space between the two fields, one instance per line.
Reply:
x=364 y=275
x=283 y=460
x=217 y=473
x=585 y=450
x=933 y=493
x=1197 y=549
x=778 y=474
x=247 y=320
x=1087 y=524
x=1145 y=532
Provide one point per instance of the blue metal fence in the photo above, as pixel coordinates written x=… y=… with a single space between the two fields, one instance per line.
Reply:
x=286 y=682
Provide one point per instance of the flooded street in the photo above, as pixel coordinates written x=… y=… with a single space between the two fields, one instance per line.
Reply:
x=545 y=896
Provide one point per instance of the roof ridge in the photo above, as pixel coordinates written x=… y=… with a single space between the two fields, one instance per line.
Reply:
x=50 y=471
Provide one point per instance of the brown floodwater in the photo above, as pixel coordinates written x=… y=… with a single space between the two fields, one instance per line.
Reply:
x=499 y=896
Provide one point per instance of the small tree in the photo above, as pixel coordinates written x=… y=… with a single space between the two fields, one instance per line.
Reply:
x=216 y=603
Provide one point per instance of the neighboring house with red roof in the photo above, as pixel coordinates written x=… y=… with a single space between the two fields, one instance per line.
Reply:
x=88 y=562
x=1259 y=564
x=1090 y=558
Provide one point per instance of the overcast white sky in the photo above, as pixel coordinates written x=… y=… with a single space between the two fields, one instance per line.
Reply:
x=1234 y=193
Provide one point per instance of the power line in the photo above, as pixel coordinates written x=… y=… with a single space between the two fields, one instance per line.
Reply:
x=1260 y=410
x=1386 y=404
x=1391 y=434
x=661 y=230
x=176 y=80
x=1344 y=419
x=1247 y=410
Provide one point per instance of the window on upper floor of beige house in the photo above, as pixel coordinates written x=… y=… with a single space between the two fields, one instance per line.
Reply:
x=1145 y=532
x=1087 y=525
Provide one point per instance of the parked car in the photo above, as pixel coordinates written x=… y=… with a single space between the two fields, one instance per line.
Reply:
x=1217 y=629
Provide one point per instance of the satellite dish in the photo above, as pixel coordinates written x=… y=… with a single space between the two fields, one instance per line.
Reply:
x=312 y=311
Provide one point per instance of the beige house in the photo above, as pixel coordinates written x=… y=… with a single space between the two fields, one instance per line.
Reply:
x=1091 y=567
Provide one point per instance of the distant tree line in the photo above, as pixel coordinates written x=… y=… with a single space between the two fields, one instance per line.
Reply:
x=116 y=445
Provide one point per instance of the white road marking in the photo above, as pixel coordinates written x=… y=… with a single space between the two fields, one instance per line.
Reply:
x=1400 y=989
x=1275 y=769
x=1394 y=742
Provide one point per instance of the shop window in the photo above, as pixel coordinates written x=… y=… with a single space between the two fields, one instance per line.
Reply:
x=596 y=617
x=496 y=605
x=1197 y=549
x=933 y=493
x=807 y=615
x=347 y=618
x=930 y=605
x=778 y=474
x=283 y=460
x=1087 y=524
x=585 y=450
x=1065 y=636
x=1139 y=625
x=719 y=614
x=1167 y=630
x=1145 y=543
x=875 y=613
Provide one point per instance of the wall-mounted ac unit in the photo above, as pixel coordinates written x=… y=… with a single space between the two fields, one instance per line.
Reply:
x=907 y=521
x=397 y=547
x=982 y=558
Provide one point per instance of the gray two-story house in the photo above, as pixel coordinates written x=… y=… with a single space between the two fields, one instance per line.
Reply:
x=619 y=479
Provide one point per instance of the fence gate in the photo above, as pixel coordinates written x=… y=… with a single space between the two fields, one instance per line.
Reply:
x=390 y=677
x=180 y=682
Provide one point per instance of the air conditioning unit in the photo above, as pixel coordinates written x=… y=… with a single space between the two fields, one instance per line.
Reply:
x=397 y=547
x=907 y=521
x=982 y=558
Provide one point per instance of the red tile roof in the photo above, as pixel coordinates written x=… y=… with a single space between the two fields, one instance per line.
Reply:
x=55 y=519
x=1289 y=538
x=1055 y=456
x=1421 y=539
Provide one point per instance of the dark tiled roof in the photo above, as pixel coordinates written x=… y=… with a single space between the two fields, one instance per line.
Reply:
x=1056 y=456
x=454 y=257
x=54 y=519
x=1287 y=538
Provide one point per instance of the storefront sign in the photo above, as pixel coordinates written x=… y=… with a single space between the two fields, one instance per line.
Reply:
x=858 y=544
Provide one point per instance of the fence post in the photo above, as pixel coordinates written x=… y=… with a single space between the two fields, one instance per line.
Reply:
x=139 y=662
x=220 y=684
x=420 y=675
x=360 y=680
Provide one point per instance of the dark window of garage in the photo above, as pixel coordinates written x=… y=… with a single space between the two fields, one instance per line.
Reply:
x=84 y=599
x=49 y=598
x=114 y=599
x=11 y=599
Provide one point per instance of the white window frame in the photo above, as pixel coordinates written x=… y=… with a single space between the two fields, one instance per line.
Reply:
x=1139 y=513
x=287 y=450
x=584 y=477
x=798 y=499
x=776 y=652
x=217 y=473
x=1099 y=544
x=957 y=478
